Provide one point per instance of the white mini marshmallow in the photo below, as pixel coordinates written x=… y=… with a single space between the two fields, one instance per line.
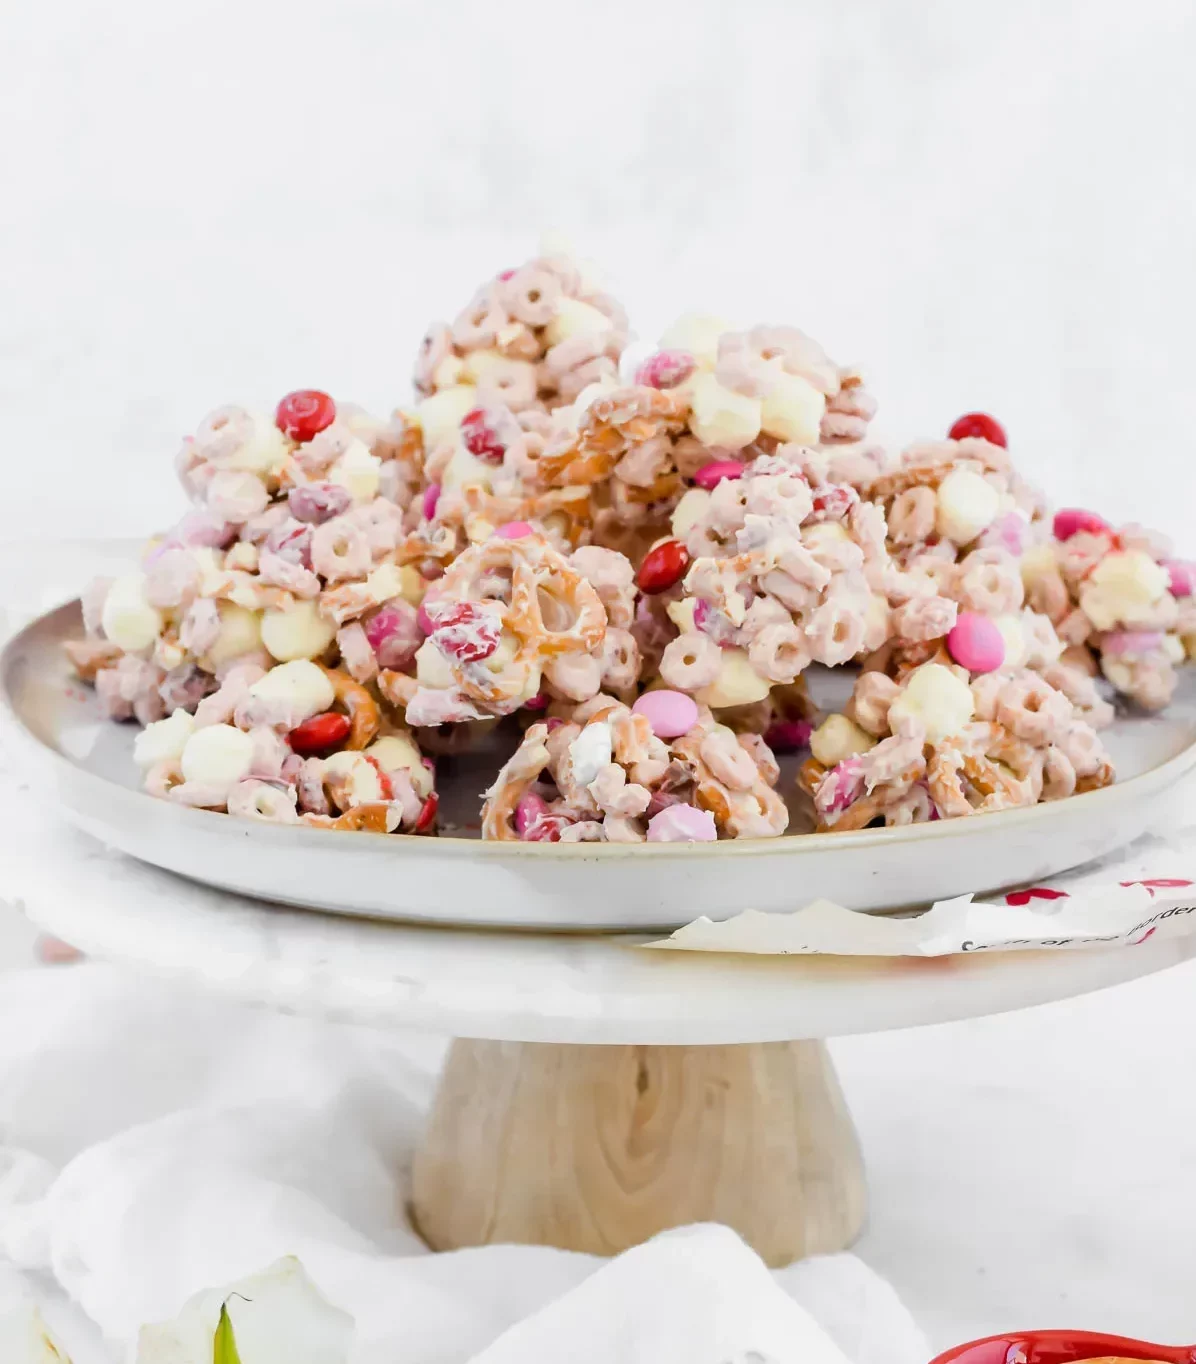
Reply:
x=398 y=753
x=720 y=417
x=937 y=698
x=265 y=451
x=301 y=684
x=689 y=511
x=575 y=318
x=440 y=415
x=793 y=410
x=1037 y=561
x=243 y=556
x=128 y=619
x=838 y=738
x=737 y=684
x=1122 y=589
x=697 y=333
x=218 y=755
x=240 y=633
x=967 y=505
x=299 y=632
x=358 y=471
x=164 y=740
x=591 y=751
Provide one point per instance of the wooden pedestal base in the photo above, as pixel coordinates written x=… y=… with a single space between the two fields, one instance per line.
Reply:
x=598 y=1148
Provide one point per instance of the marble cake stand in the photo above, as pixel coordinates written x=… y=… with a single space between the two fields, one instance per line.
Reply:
x=596 y=1093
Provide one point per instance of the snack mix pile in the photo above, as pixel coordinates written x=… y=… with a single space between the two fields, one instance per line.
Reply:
x=633 y=574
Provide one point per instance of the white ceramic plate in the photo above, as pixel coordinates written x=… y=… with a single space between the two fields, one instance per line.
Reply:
x=85 y=763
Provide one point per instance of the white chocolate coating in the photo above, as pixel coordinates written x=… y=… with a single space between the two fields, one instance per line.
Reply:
x=164 y=740
x=219 y=756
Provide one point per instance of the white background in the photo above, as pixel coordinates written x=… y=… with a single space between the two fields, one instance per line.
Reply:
x=989 y=205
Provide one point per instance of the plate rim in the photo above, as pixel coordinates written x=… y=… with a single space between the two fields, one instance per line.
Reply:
x=788 y=845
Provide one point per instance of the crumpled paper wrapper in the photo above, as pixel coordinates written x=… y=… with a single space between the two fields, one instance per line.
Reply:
x=1041 y=917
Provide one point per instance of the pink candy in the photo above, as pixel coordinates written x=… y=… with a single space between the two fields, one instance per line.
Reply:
x=1182 y=575
x=787 y=736
x=670 y=713
x=423 y=620
x=538 y=702
x=1127 y=643
x=975 y=643
x=710 y=475
x=666 y=369
x=1071 y=521
x=515 y=530
x=431 y=498
x=530 y=811
x=682 y=824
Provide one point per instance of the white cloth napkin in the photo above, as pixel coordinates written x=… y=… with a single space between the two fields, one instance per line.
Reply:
x=157 y=1141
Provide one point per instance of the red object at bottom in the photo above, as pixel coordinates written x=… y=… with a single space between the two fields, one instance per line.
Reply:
x=1062 y=1347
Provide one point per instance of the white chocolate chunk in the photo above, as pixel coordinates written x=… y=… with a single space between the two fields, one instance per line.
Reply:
x=398 y=753
x=440 y=415
x=697 y=333
x=591 y=751
x=128 y=619
x=242 y=556
x=737 y=684
x=240 y=633
x=1123 y=588
x=298 y=632
x=164 y=740
x=689 y=511
x=265 y=451
x=411 y=585
x=575 y=318
x=301 y=684
x=432 y=669
x=967 y=504
x=793 y=410
x=1036 y=562
x=824 y=533
x=681 y=613
x=219 y=755
x=720 y=417
x=936 y=698
x=479 y=365
x=358 y=471
x=838 y=738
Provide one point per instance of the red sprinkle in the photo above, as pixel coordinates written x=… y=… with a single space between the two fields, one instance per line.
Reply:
x=305 y=413
x=385 y=785
x=505 y=275
x=979 y=424
x=662 y=567
x=481 y=439
x=833 y=501
x=1071 y=521
x=427 y=814
x=666 y=369
x=319 y=734
x=466 y=634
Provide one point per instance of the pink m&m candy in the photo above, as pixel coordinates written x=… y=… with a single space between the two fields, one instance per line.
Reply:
x=1071 y=521
x=709 y=475
x=682 y=824
x=1182 y=575
x=515 y=530
x=975 y=643
x=670 y=713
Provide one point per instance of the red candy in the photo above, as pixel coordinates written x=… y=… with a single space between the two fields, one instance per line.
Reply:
x=788 y=736
x=427 y=814
x=466 y=634
x=386 y=787
x=833 y=502
x=481 y=439
x=319 y=734
x=662 y=567
x=712 y=474
x=304 y=414
x=979 y=424
x=1071 y=521
x=666 y=369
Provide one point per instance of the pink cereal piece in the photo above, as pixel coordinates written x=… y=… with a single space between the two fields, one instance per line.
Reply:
x=670 y=713
x=1182 y=573
x=1126 y=643
x=710 y=475
x=682 y=824
x=431 y=498
x=515 y=530
x=1071 y=521
x=788 y=736
x=975 y=643
x=666 y=369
